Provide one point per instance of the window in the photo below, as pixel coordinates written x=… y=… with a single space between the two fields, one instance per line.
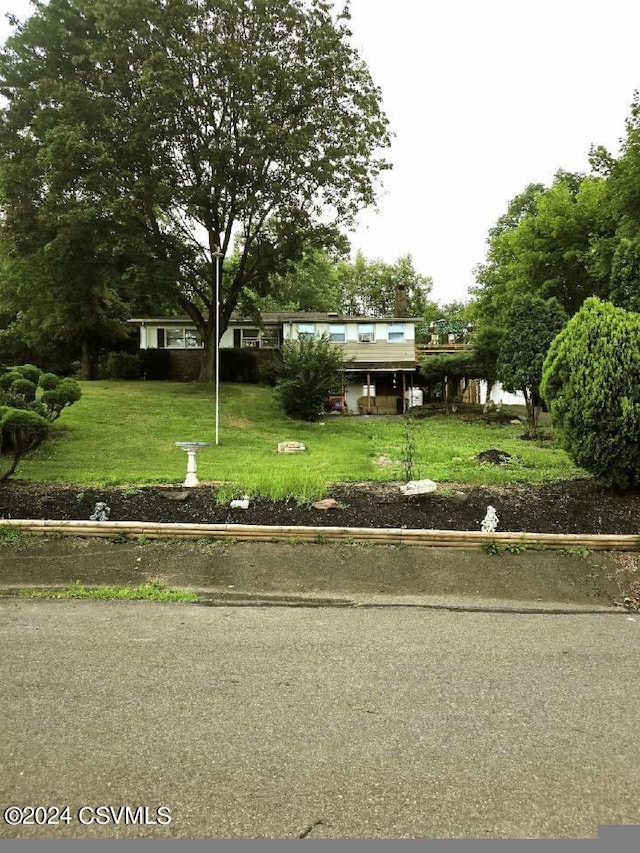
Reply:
x=306 y=330
x=396 y=333
x=337 y=334
x=366 y=333
x=250 y=338
x=178 y=338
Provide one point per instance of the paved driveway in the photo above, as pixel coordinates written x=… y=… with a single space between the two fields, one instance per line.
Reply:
x=281 y=722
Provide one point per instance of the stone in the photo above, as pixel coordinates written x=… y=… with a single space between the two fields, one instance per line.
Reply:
x=176 y=496
x=240 y=503
x=326 y=503
x=418 y=487
x=291 y=447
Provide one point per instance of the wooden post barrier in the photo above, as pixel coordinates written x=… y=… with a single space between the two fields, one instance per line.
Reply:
x=375 y=535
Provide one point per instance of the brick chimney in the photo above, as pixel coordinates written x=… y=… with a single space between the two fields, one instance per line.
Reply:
x=401 y=308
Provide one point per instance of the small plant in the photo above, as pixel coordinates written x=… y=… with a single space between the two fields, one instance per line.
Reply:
x=119 y=538
x=14 y=537
x=575 y=551
x=492 y=547
x=130 y=492
x=515 y=547
x=409 y=450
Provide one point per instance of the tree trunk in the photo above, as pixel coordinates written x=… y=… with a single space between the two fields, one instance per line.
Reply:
x=532 y=401
x=208 y=363
x=88 y=366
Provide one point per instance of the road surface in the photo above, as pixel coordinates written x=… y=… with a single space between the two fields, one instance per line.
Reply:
x=285 y=722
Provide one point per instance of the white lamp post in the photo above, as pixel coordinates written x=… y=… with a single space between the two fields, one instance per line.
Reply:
x=217 y=255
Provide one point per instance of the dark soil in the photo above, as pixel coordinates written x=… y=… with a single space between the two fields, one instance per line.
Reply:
x=577 y=506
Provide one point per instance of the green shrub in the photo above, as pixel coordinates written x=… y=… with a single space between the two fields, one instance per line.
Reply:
x=22 y=431
x=48 y=381
x=121 y=365
x=238 y=365
x=44 y=394
x=66 y=393
x=23 y=388
x=7 y=379
x=155 y=364
x=591 y=380
x=30 y=372
x=311 y=371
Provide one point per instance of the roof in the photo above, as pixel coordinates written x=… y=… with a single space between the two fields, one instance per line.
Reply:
x=276 y=318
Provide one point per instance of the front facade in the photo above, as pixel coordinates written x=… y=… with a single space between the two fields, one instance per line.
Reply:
x=381 y=353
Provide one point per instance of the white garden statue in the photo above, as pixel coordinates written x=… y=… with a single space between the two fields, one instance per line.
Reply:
x=490 y=521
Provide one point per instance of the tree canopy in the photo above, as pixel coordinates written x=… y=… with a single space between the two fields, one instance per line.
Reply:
x=178 y=130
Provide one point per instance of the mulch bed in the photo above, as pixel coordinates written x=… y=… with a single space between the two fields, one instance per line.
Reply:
x=577 y=506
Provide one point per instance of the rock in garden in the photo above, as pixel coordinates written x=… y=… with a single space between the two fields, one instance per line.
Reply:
x=176 y=496
x=291 y=447
x=240 y=503
x=495 y=457
x=326 y=503
x=418 y=487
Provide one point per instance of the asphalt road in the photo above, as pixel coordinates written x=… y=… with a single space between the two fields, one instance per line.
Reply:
x=282 y=722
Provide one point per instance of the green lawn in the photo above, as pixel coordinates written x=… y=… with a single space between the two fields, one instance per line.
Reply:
x=123 y=433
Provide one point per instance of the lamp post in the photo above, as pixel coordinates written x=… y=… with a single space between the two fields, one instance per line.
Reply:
x=217 y=255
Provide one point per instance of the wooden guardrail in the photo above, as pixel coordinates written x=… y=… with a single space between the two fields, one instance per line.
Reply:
x=381 y=536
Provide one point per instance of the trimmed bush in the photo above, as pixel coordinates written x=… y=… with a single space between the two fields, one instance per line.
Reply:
x=121 y=365
x=238 y=365
x=48 y=381
x=30 y=372
x=47 y=398
x=22 y=431
x=155 y=364
x=591 y=381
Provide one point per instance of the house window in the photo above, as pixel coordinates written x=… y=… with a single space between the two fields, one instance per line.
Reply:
x=250 y=338
x=396 y=333
x=337 y=334
x=306 y=330
x=178 y=338
x=366 y=333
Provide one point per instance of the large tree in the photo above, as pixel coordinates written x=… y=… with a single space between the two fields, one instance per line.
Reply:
x=193 y=127
x=531 y=325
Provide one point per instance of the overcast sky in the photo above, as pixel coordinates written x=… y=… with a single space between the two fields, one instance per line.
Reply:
x=484 y=97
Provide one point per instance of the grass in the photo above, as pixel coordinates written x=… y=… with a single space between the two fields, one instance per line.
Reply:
x=144 y=592
x=123 y=434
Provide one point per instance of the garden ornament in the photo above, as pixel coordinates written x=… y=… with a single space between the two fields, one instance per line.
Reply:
x=101 y=512
x=490 y=521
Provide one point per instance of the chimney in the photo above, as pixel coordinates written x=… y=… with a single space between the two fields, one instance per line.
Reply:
x=401 y=308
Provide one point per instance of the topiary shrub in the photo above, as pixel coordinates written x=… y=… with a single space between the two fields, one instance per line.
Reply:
x=21 y=432
x=30 y=372
x=48 y=381
x=47 y=398
x=591 y=381
x=312 y=369
x=65 y=394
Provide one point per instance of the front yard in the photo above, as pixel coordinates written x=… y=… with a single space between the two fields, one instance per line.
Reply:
x=123 y=433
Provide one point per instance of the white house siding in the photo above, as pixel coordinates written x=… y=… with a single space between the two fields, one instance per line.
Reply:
x=499 y=396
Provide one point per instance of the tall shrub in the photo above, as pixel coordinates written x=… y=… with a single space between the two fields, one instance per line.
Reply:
x=311 y=371
x=591 y=380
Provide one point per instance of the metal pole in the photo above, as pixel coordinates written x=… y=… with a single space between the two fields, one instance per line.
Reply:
x=217 y=255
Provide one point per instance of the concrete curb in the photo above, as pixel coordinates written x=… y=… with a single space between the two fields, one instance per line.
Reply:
x=212 y=597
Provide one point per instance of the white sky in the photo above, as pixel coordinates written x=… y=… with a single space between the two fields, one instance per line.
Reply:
x=484 y=97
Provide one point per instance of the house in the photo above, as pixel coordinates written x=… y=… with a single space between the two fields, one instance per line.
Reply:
x=381 y=352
